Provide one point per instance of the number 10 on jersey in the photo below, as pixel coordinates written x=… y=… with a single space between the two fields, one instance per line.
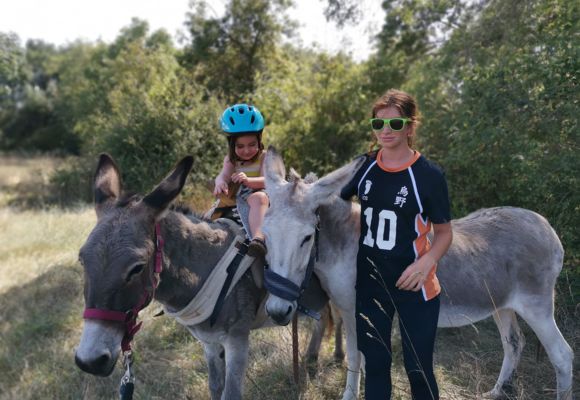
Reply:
x=382 y=243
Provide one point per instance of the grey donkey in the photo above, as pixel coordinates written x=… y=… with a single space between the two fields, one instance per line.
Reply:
x=502 y=261
x=118 y=257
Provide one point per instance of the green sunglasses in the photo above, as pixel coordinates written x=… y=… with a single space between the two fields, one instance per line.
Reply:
x=396 y=124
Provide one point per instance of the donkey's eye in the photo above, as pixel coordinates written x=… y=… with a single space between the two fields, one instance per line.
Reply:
x=306 y=239
x=136 y=270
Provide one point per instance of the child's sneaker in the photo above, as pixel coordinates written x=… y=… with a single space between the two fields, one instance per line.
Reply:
x=257 y=248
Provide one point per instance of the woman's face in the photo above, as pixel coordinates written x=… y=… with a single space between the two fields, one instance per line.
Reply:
x=247 y=147
x=386 y=137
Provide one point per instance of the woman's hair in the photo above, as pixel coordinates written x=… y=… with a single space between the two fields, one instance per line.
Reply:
x=232 y=146
x=407 y=107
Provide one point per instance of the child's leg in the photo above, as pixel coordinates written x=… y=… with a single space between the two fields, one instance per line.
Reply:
x=258 y=203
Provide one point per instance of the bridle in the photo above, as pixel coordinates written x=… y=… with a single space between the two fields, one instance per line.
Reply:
x=129 y=317
x=286 y=289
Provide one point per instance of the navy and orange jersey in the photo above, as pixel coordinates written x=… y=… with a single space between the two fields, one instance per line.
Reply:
x=397 y=210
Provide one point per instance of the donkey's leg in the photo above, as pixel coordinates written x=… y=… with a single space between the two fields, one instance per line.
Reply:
x=539 y=315
x=317 y=336
x=353 y=356
x=214 y=355
x=337 y=319
x=236 y=347
x=513 y=341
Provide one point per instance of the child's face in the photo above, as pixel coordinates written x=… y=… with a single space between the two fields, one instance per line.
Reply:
x=247 y=147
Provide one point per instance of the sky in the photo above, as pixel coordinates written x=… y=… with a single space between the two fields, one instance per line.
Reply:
x=63 y=21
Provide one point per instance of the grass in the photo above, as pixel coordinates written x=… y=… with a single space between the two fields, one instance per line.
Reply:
x=40 y=325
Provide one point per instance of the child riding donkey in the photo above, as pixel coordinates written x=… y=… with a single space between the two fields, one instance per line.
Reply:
x=243 y=124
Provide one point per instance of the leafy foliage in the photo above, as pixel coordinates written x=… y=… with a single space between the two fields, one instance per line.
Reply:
x=501 y=112
x=497 y=83
x=226 y=53
x=316 y=109
x=143 y=108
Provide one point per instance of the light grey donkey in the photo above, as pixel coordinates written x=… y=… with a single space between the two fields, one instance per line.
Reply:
x=502 y=261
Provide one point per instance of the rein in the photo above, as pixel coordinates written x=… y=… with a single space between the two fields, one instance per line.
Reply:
x=129 y=318
x=288 y=290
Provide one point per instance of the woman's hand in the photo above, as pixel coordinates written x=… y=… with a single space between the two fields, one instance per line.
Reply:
x=239 y=177
x=414 y=276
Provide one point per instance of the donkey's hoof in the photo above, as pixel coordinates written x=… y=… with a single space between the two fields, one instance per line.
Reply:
x=349 y=395
x=495 y=394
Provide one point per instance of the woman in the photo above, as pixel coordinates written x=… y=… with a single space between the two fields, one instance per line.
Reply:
x=402 y=196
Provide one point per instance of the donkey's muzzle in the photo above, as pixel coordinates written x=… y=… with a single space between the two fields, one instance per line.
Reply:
x=281 y=317
x=101 y=365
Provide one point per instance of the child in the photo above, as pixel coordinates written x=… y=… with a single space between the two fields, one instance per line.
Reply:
x=402 y=195
x=243 y=124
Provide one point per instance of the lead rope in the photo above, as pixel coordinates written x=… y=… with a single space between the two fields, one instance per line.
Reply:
x=127 y=386
x=128 y=381
x=295 y=349
x=310 y=313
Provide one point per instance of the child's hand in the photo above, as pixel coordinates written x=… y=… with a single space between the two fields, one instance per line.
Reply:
x=239 y=177
x=220 y=187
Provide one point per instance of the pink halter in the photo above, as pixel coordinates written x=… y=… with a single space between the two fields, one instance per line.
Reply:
x=129 y=318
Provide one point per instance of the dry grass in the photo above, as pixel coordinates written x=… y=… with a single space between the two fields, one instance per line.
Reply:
x=40 y=325
x=24 y=181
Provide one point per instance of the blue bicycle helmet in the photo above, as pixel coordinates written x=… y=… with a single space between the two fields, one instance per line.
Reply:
x=241 y=119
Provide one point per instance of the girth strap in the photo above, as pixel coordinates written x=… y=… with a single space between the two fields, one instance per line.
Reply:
x=231 y=270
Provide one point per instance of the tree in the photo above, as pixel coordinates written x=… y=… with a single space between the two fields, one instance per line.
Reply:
x=314 y=108
x=501 y=111
x=226 y=53
x=132 y=99
x=413 y=30
x=27 y=109
x=12 y=70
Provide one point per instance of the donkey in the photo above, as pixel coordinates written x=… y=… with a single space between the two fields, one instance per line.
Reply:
x=502 y=261
x=119 y=257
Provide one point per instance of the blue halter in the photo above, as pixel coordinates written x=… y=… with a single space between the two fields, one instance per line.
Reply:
x=288 y=290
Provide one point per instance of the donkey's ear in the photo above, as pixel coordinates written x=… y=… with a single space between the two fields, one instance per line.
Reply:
x=106 y=184
x=160 y=198
x=274 y=169
x=331 y=184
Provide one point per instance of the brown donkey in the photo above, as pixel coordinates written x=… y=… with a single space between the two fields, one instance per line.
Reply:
x=119 y=265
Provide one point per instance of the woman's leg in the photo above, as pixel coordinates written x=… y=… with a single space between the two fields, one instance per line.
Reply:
x=418 y=324
x=373 y=327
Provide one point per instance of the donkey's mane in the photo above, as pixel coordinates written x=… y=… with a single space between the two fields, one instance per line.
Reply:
x=130 y=199
x=186 y=210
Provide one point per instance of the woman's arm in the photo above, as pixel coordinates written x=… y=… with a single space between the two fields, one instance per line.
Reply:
x=415 y=274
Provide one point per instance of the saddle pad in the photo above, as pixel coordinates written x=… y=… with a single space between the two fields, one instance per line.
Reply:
x=201 y=306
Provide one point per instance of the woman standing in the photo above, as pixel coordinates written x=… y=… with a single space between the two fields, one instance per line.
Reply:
x=402 y=197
